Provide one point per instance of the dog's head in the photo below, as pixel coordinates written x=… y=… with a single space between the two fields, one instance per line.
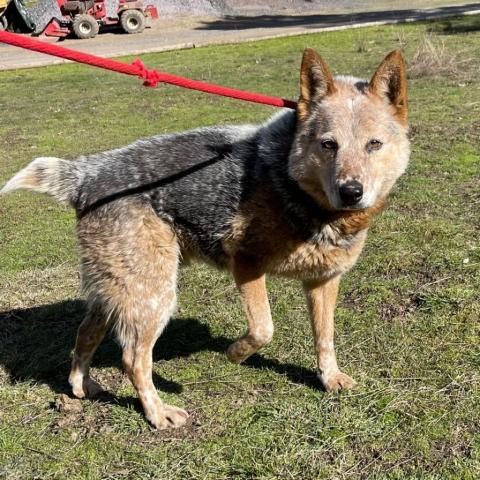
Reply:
x=351 y=143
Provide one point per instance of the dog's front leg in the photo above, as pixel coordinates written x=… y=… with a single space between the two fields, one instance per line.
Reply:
x=321 y=299
x=251 y=285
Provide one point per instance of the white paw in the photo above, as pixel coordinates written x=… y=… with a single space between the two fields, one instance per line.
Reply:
x=168 y=416
x=336 y=381
x=239 y=351
x=86 y=388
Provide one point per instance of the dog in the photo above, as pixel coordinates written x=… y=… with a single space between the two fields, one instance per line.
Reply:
x=293 y=197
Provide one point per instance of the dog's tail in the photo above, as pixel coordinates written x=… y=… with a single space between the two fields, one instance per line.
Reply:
x=57 y=177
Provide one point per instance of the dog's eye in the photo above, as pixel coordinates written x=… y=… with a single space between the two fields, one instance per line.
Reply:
x=329 y=145
x=374 y=144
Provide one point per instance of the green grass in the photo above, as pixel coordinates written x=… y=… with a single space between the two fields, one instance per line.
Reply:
x=408 y=315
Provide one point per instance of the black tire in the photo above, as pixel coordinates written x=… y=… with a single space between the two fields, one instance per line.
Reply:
x=85 y=26
x=133 y=21
x=3 y=24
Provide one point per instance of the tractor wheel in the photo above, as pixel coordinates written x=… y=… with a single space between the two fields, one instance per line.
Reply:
x=133 y=21
x=85 y=26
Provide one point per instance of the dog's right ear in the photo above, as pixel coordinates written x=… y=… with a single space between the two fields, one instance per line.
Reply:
x=316 y=81
x=390 y=82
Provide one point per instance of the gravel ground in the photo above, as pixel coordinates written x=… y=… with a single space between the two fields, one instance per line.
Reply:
x=278 y=7
x=252 y=7
x=255 y=7
x=192 y=7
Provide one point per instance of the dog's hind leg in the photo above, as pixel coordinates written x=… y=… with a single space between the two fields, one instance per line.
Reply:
x=137 y=362
x=251 y=285
x=89 y=335
x=145 y=314
x=130 y=260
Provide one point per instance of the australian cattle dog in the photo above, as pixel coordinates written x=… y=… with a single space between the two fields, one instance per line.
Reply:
x=293 y=197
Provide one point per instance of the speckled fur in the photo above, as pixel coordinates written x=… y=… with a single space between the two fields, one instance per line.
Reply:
x=255 y=200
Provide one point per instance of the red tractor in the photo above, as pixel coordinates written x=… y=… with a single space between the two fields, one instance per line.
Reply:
x=85 y=17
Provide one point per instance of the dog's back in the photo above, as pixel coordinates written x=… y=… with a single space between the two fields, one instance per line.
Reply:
x=195 y=180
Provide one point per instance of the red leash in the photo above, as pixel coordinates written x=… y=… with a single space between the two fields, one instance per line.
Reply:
x=137 y=68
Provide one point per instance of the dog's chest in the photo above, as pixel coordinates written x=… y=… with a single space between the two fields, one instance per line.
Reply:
x=324 y=256
x=277 y=248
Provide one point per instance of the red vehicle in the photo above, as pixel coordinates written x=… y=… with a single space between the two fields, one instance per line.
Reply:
x=85 y=17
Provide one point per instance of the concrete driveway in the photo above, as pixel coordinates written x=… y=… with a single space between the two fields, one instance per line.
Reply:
x=187 y=32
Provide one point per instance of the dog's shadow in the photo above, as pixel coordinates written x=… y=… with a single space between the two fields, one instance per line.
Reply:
x=36 y=345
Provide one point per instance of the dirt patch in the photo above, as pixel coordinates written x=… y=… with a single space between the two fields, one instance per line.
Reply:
x=74 y=415
x=403 y=302
x=84 y=421
x=68 y=406
x=400 y=311
x=191 y=430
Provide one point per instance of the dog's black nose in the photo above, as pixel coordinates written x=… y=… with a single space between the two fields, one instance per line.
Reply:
x=351 y=192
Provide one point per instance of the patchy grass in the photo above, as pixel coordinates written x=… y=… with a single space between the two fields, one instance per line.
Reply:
x=407 y=319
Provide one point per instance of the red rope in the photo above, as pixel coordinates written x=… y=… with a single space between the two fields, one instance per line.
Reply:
x=137 y=68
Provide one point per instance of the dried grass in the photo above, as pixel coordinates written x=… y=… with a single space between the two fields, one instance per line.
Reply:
x=434 y=59
x=401 y=37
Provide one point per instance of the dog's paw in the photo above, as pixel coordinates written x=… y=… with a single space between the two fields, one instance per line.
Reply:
x=336 y=381
x=239 y=351
x=168 y=417
x=86 y=388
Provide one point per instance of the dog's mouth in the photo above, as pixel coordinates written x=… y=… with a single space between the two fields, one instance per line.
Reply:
x=350 y=208
x=336 y=203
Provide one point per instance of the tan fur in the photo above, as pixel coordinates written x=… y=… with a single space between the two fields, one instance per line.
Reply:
x=321 y=298
x=129 y=272
x=43 y=176
x=251 y=285
x=260 y=224
x=89 y=335
x=371 y=117
x=25 y=179
x=130 y=257
x=261 y=233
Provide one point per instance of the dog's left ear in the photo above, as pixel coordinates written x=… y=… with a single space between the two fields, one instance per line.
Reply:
x=316 y=81
x=390 y=81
